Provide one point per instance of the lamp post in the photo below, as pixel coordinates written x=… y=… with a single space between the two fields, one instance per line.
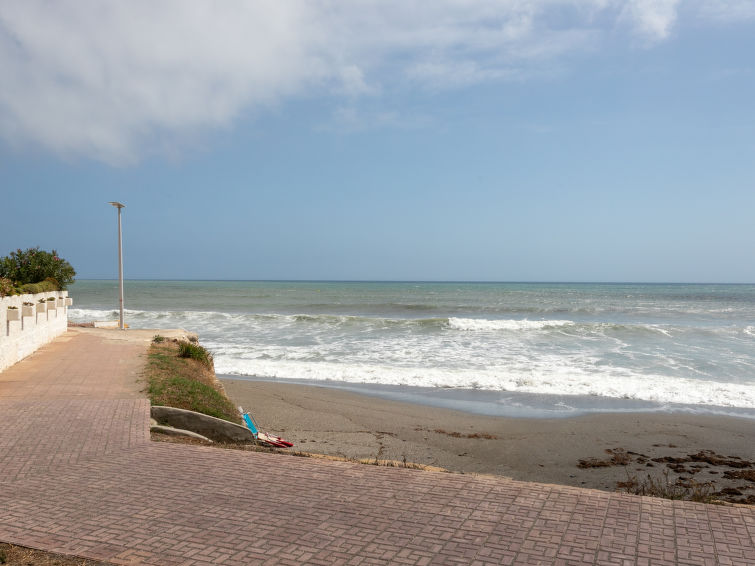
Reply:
x=119 y=206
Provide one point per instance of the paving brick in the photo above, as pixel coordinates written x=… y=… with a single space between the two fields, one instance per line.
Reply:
x=78 y=475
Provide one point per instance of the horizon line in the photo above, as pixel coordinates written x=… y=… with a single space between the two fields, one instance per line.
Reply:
x=450 y=281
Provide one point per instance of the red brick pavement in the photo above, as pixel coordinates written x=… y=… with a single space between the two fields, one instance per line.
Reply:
x=79 y=476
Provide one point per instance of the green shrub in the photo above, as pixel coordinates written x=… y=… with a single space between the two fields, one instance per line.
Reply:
x=195 y=352
x=41 y=287
x=157 y=339
x=34 y=265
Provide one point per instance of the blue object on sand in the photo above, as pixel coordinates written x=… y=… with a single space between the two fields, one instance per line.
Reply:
x=263 y=437
x=250 y=424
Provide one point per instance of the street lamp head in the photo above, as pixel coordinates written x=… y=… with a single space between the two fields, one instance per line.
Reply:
x=117 y=204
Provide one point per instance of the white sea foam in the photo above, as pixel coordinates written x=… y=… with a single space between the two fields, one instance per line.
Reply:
x=473 y=324
x=547 y=377
x=88 y=315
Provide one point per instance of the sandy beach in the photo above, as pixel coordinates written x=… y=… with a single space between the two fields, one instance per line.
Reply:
x=330 y=421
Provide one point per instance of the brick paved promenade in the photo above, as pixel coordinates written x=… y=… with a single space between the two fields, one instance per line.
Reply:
x=78 y=475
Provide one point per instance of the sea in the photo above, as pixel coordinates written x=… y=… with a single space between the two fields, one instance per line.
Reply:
x=510 y=349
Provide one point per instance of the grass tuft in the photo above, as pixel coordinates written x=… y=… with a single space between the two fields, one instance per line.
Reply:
x=195 y=352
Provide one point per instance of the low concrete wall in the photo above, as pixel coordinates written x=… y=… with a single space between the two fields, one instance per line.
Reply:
x=19 y=338
x=214 y=429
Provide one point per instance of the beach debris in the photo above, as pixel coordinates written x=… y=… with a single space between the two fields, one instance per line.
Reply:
x=748 y=475
x=683 y=485
x=454 y=434
x=729 y=491
x=708 y=457
x=261 y=436
x=593 y=463
x=619 y=457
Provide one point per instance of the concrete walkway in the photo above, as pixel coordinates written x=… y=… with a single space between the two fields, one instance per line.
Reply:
x=78 y=475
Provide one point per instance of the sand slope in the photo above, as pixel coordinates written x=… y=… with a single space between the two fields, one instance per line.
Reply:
x=331 y=421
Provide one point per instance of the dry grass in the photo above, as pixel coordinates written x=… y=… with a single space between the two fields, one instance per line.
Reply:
x=13 y=555
x=688 y=490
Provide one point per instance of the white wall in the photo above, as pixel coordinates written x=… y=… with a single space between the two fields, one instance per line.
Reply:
x=19 y=338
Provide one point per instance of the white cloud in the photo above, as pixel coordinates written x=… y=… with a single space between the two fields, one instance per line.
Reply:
x=353 y=82
x=653 y=19
x=727 y=10
x=115 y=81
x=102 y=78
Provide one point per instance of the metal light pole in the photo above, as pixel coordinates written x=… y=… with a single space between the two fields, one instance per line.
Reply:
x=118 y=205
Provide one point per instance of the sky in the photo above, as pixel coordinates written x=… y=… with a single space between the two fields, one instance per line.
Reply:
x=490 y=140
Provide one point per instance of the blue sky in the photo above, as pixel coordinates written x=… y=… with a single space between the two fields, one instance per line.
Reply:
x=546 y=140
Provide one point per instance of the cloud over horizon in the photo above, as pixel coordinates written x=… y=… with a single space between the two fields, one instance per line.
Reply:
x=115 y=82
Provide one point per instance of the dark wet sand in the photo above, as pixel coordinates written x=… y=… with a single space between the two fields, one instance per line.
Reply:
x=341 y=423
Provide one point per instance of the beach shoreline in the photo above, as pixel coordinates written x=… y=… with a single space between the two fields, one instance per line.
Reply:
x=351 y=425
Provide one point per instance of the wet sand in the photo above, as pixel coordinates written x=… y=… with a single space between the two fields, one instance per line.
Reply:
x=330 y=421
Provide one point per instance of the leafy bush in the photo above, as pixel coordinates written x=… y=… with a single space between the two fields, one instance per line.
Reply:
x=195 y=352
x=34 y=265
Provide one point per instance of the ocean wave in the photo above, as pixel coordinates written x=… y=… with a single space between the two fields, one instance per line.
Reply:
x=473 y=324
x=550 y=377
x=200 y=320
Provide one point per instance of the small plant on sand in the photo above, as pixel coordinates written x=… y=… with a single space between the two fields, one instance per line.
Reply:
x=157 y=339
x=688 y=490
x=195 y=352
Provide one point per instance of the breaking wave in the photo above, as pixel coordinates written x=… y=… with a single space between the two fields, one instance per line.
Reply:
x=675 y=361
